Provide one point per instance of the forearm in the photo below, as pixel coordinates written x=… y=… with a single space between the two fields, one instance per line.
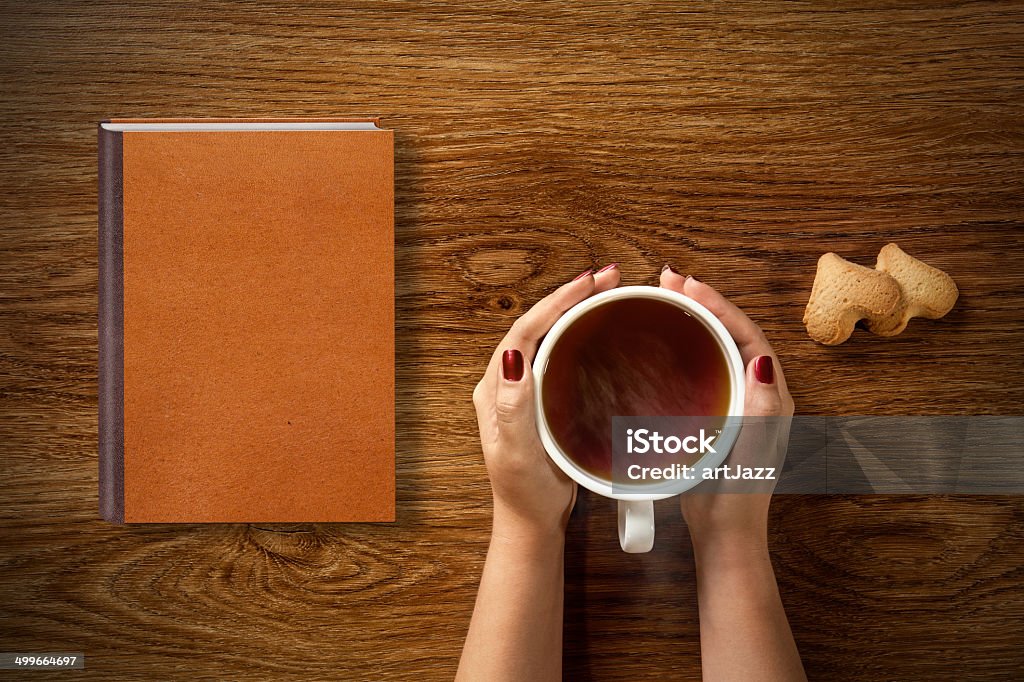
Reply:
x=744 y=633
x=516 y=629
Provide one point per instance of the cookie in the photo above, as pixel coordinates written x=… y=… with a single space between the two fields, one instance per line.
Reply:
x=926 y=291
x=844 y=293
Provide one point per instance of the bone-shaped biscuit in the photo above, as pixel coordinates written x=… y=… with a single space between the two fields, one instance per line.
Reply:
x=844 y=293
x=927 y=292
x=899 y=288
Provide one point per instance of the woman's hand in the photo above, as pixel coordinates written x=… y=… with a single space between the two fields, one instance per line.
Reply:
x=744 y=633
x=516 y=629
x=532 y=497
x=740 y=517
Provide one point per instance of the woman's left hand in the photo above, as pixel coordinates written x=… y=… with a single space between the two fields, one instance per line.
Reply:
x=532 y=496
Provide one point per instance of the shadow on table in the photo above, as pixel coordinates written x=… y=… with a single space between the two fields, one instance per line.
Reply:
x=628 y=615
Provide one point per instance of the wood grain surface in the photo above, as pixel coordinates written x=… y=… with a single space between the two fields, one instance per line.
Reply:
x=737 y=141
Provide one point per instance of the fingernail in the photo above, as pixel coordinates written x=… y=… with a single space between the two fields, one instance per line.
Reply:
x=764 y=370
x=692 y=277
x=668 y=267
x=583 y=274
x=512 y=365
x=607 y=267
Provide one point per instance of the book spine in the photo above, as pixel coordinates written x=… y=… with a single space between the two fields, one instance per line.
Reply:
x=111 y=326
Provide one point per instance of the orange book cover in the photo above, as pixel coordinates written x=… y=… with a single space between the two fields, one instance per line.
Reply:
x=246 y=320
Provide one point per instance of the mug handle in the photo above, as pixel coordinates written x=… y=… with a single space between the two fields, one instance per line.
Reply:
x=636 y=525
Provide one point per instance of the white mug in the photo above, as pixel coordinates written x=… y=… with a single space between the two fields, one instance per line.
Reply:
x=636 y=509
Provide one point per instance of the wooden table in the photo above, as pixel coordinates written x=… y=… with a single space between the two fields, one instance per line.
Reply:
x=736 y=141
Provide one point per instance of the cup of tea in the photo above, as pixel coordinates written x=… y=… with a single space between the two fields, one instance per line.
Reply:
x=637 y=352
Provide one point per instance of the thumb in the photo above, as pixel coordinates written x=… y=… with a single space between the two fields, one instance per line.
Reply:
x=514 y=401
x=758 y=441
x=764 y=398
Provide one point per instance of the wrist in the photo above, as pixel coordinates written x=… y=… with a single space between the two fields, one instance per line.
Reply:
x=733 y=547
x=741 y=524
x=510 y=528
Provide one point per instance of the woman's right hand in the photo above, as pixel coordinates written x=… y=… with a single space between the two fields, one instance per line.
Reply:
x=744 y=633
x=723 y=516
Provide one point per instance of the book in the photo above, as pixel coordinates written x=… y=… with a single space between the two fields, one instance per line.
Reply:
x=246 y=320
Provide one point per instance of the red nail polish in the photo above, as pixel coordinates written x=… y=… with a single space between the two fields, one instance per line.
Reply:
x=512 y=365
x=583 y=274
x=764 y=369
x=607 y=267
